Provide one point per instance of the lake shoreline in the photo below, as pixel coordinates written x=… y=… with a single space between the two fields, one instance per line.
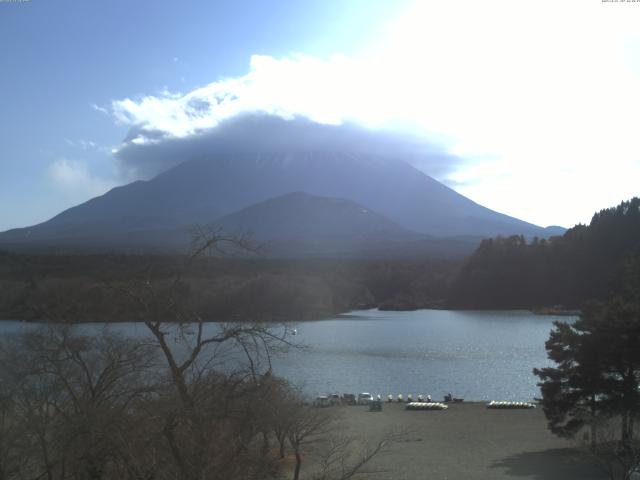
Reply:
x=348 y=314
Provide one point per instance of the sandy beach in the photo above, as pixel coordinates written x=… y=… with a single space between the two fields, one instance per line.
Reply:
x=469 y=441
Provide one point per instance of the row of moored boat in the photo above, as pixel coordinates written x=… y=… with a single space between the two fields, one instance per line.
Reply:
x=510 y=405
x=426 y=406
x=400 y=398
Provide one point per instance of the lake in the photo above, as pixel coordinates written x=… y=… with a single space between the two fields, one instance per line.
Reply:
x=477 y=355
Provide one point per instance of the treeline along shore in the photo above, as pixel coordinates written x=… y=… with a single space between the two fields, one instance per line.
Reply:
x=95 y=287
x=588 y=262
x=555 y=275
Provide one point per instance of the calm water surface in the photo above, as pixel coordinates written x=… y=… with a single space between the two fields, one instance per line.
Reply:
x=475 y=355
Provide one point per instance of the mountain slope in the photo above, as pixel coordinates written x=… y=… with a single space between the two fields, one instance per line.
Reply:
x=206 y=189
x=302 y=225
x=299 y=215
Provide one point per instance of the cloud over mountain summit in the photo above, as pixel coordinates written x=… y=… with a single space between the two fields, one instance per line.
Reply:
x=287 y=104
x=264 y=134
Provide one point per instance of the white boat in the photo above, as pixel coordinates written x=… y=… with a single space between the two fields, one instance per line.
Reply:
x=426 y=406
x=510 y=405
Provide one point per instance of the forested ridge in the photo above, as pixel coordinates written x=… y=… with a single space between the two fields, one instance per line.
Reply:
x=587 y=262
x=89 y=287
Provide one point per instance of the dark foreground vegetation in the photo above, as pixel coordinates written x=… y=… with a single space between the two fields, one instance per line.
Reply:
x=593 y=391
x=108 y=407
x=88 y=287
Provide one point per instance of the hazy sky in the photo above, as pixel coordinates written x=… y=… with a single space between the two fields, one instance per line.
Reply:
x=537 y=102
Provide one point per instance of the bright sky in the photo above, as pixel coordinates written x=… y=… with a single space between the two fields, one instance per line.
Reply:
x=540 y=99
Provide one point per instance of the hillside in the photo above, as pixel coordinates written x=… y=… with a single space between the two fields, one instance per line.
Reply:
x=302 y=225
x=587 y=262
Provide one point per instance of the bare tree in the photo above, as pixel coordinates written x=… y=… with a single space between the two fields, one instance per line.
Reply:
x=72 y=398
x=307 y=424
x=343 y=456
x=216 y=372
x=9 y=428
x=280 y=399
x=317 y=431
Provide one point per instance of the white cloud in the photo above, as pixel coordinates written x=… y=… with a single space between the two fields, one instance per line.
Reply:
x=541 y=96
x=100 y=109
x=546 y=90
x=75 y=179
x=299 y=85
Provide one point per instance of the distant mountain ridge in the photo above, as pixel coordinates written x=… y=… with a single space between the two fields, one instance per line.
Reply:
x=217 y=189
x=303 y=225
